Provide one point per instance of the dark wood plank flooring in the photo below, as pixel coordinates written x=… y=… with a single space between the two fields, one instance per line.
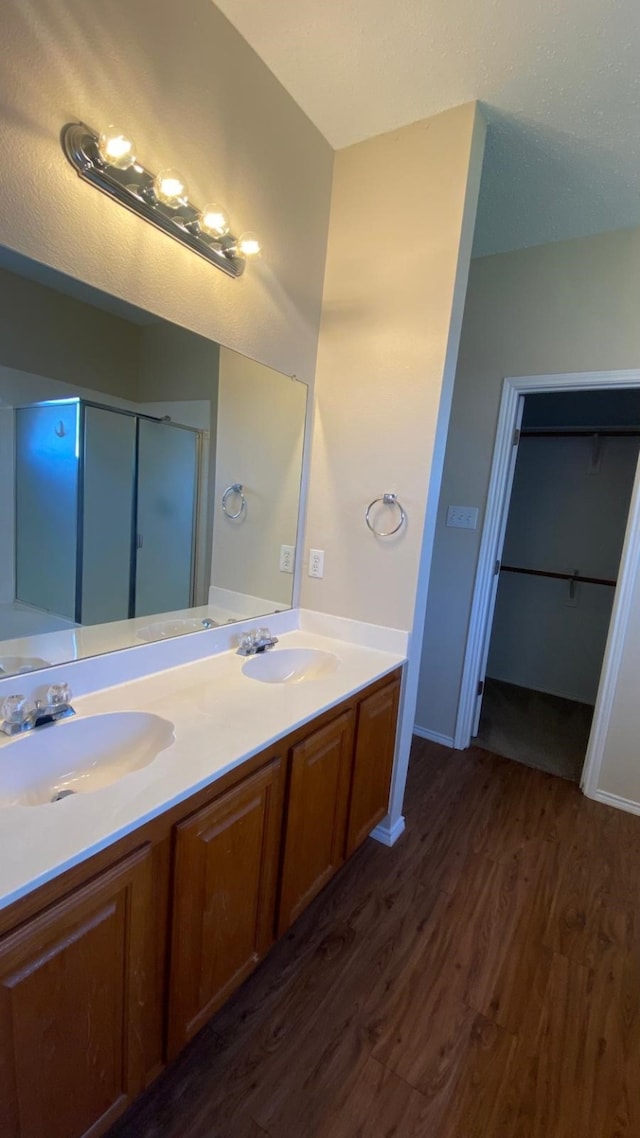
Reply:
x=479 y=980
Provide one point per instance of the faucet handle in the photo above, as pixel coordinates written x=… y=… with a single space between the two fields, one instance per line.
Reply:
x=58 y=695
x=14 y=709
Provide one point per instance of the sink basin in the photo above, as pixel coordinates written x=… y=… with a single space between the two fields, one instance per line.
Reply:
x=163 y=629
x=16 y=665
x=290 y=665
x=78 y=756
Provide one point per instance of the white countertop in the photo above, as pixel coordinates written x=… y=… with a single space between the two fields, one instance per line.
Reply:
x=221 y=719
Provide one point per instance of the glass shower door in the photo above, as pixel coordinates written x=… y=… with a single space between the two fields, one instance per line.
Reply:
x=107 y=515
x=167 y=483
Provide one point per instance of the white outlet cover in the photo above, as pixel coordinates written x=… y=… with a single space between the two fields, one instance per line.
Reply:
x=287 y=558
x=316 y=562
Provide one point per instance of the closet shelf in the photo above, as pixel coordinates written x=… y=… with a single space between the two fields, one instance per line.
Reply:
x=577 y=578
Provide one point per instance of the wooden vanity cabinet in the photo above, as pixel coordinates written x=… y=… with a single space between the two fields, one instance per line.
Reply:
x=74 y=985
x=317 y=805
x=224 y=895
x=108 y=970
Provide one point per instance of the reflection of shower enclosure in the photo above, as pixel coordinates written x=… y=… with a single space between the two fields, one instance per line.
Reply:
x=105 y=511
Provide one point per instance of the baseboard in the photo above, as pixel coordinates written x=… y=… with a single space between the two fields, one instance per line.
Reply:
x=616 y=801
x=386 y=834
x=433 y=736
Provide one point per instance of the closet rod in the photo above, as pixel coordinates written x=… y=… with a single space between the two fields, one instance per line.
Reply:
x=577 y=577
x=579 y=432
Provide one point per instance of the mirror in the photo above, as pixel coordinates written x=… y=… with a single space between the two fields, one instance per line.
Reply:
x=149 y=477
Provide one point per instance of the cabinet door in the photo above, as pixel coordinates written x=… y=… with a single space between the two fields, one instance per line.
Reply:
x=226 y=868
x=317 y=815
x=375 y=745
x=72 y=1003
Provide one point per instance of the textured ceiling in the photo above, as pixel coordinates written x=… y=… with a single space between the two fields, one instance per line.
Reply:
x=559 y=83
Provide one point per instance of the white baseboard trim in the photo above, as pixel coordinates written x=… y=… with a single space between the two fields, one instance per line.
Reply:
x=433 y=736
x=386 y=834
x=616 y=801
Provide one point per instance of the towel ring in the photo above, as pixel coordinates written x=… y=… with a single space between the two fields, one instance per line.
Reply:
x=235 y=488
x=387 y=500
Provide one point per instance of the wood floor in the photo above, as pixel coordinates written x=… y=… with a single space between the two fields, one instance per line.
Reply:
x=479 y=980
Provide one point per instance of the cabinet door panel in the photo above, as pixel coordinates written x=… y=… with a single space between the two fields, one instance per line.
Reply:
x=317 y=814
x=72 y=996
x=373 y=762
x=226 y=862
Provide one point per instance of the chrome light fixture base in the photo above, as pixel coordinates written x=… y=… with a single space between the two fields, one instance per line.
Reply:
x=133 y=187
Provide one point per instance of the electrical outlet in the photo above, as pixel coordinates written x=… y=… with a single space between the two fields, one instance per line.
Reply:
x=316 y=562
x=462 y=517
x=287 y=558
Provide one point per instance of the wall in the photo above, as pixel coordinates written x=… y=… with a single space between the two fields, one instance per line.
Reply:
x=263 y=414
x=47 y=333
x=564 y=515
x=175 y=362
x=566 y=307
x=193 y=95
x=392 y=266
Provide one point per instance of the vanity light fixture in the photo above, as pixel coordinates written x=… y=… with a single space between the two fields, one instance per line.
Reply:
x=108 y=160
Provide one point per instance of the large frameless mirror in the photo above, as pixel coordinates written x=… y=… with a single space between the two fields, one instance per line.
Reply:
x=150 y=478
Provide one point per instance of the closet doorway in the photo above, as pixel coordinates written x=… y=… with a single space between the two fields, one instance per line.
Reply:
x=562 y=524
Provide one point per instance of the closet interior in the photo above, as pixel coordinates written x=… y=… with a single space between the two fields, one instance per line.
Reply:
x=574 y=474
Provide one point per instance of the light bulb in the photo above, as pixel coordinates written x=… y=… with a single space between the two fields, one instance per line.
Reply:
x=116 y=148
x=170 y=187
x=249 y=245
x=214 y=221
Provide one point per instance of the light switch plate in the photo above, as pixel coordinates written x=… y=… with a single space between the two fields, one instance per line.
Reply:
x=462 y=517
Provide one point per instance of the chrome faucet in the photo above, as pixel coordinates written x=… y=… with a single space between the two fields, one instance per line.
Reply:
x=19 y=715
x=258 y=640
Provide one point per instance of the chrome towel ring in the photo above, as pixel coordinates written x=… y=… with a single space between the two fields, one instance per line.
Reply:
x=387 y=500
x=235 y=488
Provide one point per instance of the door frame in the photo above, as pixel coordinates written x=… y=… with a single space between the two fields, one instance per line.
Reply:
x=479 y=630
x=489 y=612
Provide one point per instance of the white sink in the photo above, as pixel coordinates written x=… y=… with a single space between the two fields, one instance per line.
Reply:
x=79 y=755
x=290 y=665
x=16 y=665
x=163 y=629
